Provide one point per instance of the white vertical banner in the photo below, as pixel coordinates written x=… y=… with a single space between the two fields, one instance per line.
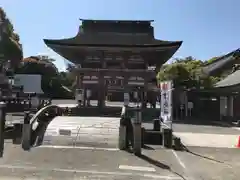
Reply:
x=166 y=102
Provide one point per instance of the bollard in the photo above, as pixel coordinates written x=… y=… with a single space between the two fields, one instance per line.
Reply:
x=17 y=135
x=177 y=144
x=129 y=133
x=26 y=132
x=143 y=136
x=167 y=137
x=2 y=126
x=137 y=131
x=156 y=125
x=122 y=137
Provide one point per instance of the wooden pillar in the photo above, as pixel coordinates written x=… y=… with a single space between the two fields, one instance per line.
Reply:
x=124 y=65
x=144 y=93
x=230 y=106
x=78 y=81
x=146 y=79
x=80 y=84
x=101 y=84
x=84 y=97
x=101 y=91
x=81 y=81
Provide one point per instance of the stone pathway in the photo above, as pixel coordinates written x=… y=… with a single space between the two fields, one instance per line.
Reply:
x=89 y=131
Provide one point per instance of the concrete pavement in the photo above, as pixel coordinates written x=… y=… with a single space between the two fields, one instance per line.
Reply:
x=208 y=140
x=207 y=135
x=237 y=128
x=75 y=163
x=204 y=135
x=205 y=129
x=89 y=152
x=78 y=131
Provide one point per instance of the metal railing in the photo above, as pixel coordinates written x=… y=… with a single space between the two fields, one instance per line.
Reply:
x=31 y=125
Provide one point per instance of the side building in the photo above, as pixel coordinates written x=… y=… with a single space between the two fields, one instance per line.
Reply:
x=223 y=100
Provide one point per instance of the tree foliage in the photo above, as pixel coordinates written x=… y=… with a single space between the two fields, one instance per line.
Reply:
x=176 y=72
x=10 y=47
x=211 y=60
x=187 y=72
x=52 y=81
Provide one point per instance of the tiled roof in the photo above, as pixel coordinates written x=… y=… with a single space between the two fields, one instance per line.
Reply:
x=222 y=62
x=231 y=80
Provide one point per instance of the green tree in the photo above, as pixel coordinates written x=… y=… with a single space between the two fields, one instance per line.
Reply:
x=176 y=72
x=52 y=82
x=211 y=60
x=187 y=72
x=10 y=47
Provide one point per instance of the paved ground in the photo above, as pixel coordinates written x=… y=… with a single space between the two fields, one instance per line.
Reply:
x=211 y=163
x=208 y=140
x=202 y=129
x=79 y=163
x=85 y=164
x=79 y=131
x=89 y=152
x=236 y=128
x=205 y=129
x=205 y=135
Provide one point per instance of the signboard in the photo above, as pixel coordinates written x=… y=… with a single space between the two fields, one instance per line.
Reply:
x=190 y=105
x=24 y=79
x=166 y=101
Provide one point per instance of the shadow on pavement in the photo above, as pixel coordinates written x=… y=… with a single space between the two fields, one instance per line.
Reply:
x=159 y=164
x=153 y=162
x=147 y=147
x=184 y=148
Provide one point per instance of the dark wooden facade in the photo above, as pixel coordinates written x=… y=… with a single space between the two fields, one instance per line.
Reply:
x=115 y=45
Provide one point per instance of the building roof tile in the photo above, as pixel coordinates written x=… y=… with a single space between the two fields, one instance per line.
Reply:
x=231 y=80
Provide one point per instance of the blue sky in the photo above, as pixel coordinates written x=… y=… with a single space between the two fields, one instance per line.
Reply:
x=207 y=27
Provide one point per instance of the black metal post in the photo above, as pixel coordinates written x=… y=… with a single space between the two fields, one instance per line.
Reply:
x=156 y=125
x=17 y=139
x=26 y=132
x=167 y=137
x=2 y=126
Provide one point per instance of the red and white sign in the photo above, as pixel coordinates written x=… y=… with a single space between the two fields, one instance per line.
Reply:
x=166 y=101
